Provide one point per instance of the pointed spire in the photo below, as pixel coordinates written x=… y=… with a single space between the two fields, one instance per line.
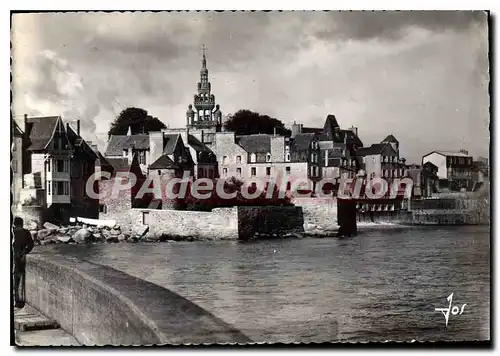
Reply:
x=129 y=132
x=204 y=60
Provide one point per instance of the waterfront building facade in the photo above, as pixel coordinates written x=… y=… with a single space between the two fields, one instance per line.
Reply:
x=454 y=169
x=382 y=160
x=51 y=165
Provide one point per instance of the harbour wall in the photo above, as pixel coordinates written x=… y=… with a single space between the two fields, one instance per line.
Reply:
x=242 y=222
x=99 y=305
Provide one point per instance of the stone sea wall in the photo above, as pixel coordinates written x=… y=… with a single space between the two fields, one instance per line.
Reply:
x=243 y=222
x=99 y=305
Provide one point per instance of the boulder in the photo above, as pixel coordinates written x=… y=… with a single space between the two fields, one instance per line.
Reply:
x=47 y=242
x=82 y=236
x=111 y=238
x=45 y=233
x=31 y=225
x=98 y=237
x=48 y=225
x=64 y=238
x=122 y=237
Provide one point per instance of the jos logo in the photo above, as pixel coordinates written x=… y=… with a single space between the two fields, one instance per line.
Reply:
x=455 y=310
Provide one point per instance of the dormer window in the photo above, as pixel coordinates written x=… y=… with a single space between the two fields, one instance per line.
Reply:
x=253 y=158
x=287 y=157
x=268 y=157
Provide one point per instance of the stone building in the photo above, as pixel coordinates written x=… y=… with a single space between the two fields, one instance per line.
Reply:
x=51 y=164
x=454 y=169
x=424 y=177
x=264 y=156
x=382 y=160
x=337 y=147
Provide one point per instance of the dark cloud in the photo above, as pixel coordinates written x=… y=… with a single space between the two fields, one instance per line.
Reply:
x=393 y=24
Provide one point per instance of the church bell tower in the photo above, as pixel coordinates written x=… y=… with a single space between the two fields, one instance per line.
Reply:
x=206 y=114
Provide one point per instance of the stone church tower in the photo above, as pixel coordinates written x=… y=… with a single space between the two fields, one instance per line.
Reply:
x=206 y=118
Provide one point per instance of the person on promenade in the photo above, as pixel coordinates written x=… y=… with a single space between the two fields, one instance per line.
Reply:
x=22 y=245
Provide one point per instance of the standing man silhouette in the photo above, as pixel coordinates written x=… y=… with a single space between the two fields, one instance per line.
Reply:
x=22 y=245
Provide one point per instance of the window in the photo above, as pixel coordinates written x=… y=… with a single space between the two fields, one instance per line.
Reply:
x=238 y=159
x=125 y=153
x=253 y=171
x=49 y=185
x=102 y=208
x=60 y=165
x=288 y=170
x=238 y=172
x=268 y=171
x=224 y=171
x=61 y=188
x=287 y=157
x=374 y=159
x=268 y=157
x=142 y=157
x=159 y=172
x=314 y=171
x=314 y=158
x=253 y=158
x=224 y=160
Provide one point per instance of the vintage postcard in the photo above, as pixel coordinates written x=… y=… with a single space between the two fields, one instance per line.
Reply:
x=195 y=178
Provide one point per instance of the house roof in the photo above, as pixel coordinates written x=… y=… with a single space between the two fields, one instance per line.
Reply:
x=77 y=141
x=301 y=142
x=317 y=130
x=40 y=131
x=118 y=143
x=119 y=164
x=258 y=143
x=197 y=144
x=374 y=149
x=163 y=162
x=169 y=143
x=429 y=164
x=449 y=153
x=390 y=139
x=16 y=130
x=352 y=138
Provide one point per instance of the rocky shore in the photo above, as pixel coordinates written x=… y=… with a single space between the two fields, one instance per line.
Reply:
x=86 y=234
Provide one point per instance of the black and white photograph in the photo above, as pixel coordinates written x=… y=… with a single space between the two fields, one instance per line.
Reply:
x=250 y=177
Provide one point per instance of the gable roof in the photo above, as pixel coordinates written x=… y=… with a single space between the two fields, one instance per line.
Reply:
x=77 y=141
x=169 y=143
x=258 y=143
x=448 y=153
x=374 y=149
x=390 y=139
x=197 y=144
x=163 y=162
x=119 y=164
x=16 y=130
x=40 y=131
x=118 y=143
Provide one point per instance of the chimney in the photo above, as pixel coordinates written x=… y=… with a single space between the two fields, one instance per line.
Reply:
x=78 y=127
x=354 y=129
x=465 y=152
x=274 y=130
x=25 y=122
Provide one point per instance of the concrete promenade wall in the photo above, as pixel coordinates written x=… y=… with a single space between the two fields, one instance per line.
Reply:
x=99 y=305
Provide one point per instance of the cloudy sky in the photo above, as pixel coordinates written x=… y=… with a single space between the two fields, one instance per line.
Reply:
x=422 y=76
